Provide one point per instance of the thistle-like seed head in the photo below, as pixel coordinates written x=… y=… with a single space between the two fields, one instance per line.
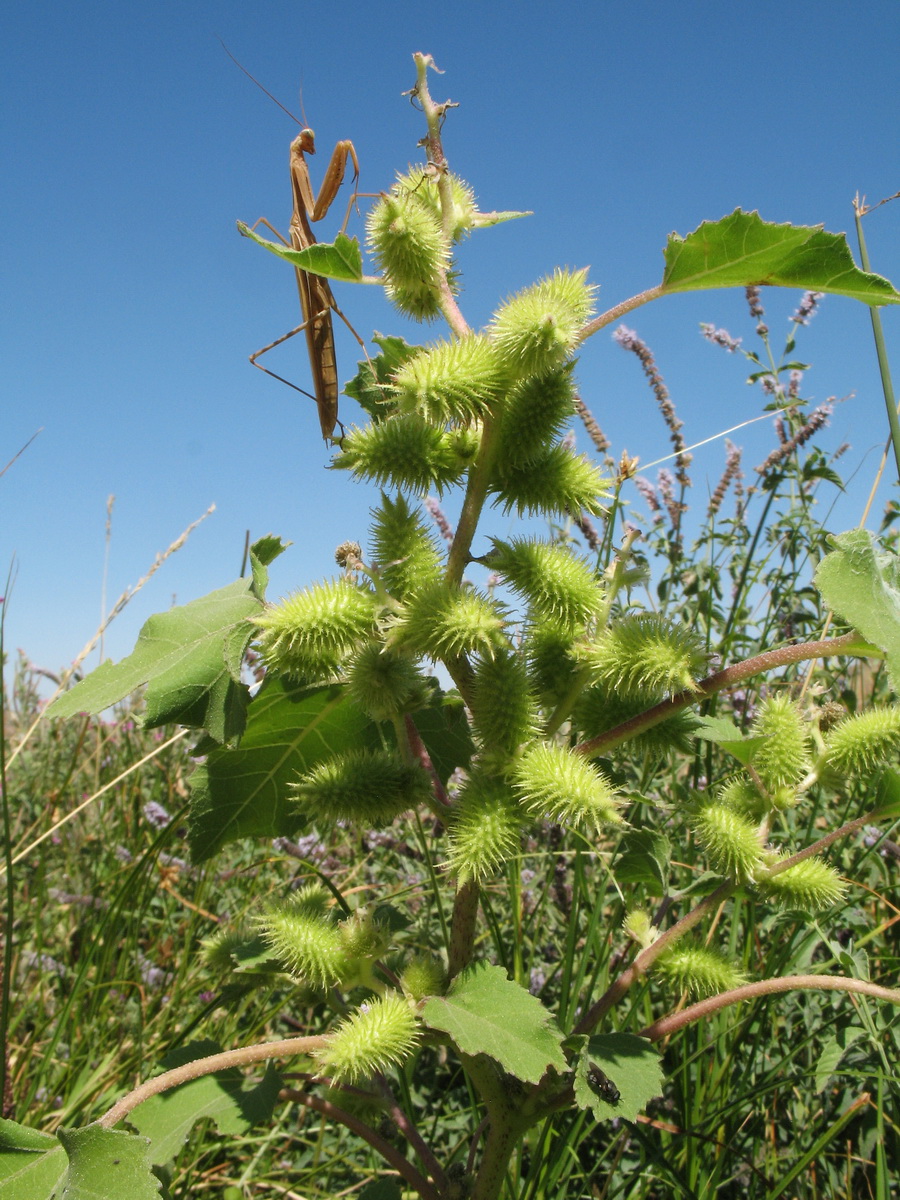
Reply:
x=310 y=633
x=404 y=548
x=559 y=587
x=859 y=743
x=809 y=885
x=731 y=841
x=381 y=1034
x=457 y=381
x=504 y=713
x=485 y=829
x=423 y=976
x=699 y=970
x=367 y=787
x=310 y=946
x=442 y=622
x=408 y=452
x=536 y=330
x=645 y=656
x=554 y=782
x=385 y=683
x=783 y=758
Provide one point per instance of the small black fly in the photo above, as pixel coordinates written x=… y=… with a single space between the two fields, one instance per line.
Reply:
x=601 y=1085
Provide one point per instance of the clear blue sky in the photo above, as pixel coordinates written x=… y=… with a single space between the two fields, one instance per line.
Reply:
x=131 y=144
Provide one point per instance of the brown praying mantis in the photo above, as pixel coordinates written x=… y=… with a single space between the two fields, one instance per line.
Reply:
x=316 y=300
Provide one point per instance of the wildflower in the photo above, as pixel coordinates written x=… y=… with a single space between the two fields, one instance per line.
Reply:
x=650 y=498
x=732 y=471
x=156 y=815
x=720 y=337
x=629 y=340
x=817 y=420
x=595 y=433
x=437 y=515
x=806 y=308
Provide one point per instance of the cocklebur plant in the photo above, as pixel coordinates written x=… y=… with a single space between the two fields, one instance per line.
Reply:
x=555 y=676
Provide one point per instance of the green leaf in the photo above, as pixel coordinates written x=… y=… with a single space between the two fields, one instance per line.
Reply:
x=372 y=386
x=243 y=792
x=726 y=734
x=190 y=658
x=742 y=249
x=833 y=1051
x=341 y=259
x=167 y=1119
x=381 y=1189
x=862 y=585
x=644 y=858
x=107 y=1164
x=887 y=793
x=187 y=658
x=486 y=1013
x=631 y=1063
x=32 y=1163
x=444 y=729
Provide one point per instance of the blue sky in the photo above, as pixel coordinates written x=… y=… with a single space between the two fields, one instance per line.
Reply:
x=132 y=145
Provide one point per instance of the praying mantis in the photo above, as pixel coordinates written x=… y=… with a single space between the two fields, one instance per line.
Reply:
x=316 y=300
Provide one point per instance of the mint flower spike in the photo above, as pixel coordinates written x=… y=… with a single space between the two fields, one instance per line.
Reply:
x=381 y=1034
x=537 y=329
x=310 y=633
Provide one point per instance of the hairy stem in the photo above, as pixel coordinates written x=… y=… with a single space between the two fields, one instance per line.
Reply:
x=286 y=1048
x=731 y=676
x=766 y=987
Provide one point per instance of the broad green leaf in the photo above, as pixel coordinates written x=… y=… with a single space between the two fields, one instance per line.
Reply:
x=189 y=658
x=644 y=858
x=833 y=1051
x=742 y=249
x=486 y=1013
x=167 y=1119
x=445 y=731
x=381 y=1189
x=340 y=260
x=632 y=1065
x=31 y=1163
x=186 y=657
x=862 y=585
x=107 y=1164
x=726 y=734
x=371 y=386
x=887 y=793
x=243 y=792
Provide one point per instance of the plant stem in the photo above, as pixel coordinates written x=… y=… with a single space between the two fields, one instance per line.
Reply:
x=462 y=928
x=760 y=663
x=286 y=1048
x=666 y=1026
x=880 y=348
